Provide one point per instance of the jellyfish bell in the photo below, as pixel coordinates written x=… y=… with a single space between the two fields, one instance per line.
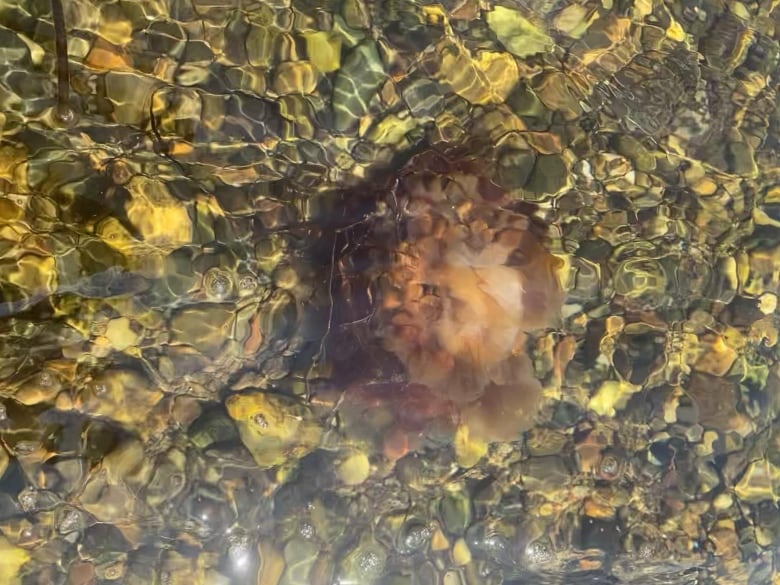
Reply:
x=462 y=274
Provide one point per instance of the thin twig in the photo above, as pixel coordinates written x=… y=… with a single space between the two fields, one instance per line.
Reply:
x=64 y=111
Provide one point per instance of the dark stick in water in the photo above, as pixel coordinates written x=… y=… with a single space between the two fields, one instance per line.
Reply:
x=64 y=111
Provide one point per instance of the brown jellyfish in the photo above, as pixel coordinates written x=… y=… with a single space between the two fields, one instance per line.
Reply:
x=463 y=275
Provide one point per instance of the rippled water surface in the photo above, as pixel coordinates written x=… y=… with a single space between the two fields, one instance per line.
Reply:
x=389 y=292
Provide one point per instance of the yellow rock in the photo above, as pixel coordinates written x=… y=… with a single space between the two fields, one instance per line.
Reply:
x=597 y=509
x=324 y=50
x=107 y=57
x=276 y=429
x=611 y=396
x=434 y=15
x=723 y=501
x=116 y=31
x=706 y=444
x=295 y=77
x=767 y=303
x=42 y=387
x=162 y=220
x=614 y=324
x=12 y=558
x=717 y=358
x=733 y=337
x=461 y=555
x=739 y=10
x=675 y=32
x=485 y=79
x=12 y=214
x=35 y=273
x=180 y=148
x=572 y=21
x=391 y=129
x=519 y=35
x=643 y=7
x=706 y=186
x=501 y=72
x=122 y=395
x=354 y=469
x=120 y=335
x=439 y=541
